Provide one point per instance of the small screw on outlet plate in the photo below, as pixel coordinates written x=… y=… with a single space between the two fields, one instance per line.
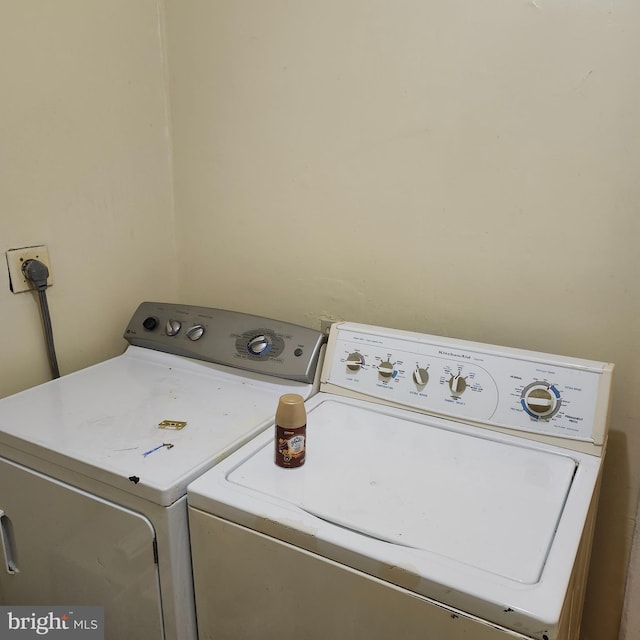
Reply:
x=17 y=257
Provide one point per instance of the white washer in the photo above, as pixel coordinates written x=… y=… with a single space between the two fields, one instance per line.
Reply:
x=449 y=491
x=94 y=466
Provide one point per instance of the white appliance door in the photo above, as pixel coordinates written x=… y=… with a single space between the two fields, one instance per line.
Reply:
x=63 y=546
x=275 y=591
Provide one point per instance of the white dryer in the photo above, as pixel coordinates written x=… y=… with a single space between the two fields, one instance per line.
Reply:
x=449 y=491
x=94 y=466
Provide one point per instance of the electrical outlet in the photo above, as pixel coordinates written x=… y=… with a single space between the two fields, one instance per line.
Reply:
x=325 y=324
x=17 y=257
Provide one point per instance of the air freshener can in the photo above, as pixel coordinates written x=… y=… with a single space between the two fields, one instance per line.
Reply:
x=291 y=431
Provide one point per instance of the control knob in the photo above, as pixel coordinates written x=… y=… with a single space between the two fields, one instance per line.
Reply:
x=420 y=376
x=196 y=332
x=172 y=327
x=457 y=384
x=385 y=369
x=355 y=361
x=259 y=345
x=541 y=400
x=150 y=323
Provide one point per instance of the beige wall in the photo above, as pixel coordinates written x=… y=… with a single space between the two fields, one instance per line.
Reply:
x=630 y=623
x=459 y=168
x=85 y=169
x=466 y=169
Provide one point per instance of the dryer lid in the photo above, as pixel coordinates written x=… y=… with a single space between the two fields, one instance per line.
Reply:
x=109 y=422
x=475 y=499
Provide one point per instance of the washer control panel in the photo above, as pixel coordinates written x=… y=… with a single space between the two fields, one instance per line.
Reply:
x=230 y=338
x=499 y=386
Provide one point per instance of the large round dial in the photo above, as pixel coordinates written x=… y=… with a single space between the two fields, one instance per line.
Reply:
x=541 y=400
x=354 y=361
x=259 y=345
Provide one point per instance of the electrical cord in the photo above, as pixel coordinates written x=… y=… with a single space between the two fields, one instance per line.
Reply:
x=37 y=273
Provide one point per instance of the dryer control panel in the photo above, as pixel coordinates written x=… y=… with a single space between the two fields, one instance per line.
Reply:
x=240 y=340
x=497 y=386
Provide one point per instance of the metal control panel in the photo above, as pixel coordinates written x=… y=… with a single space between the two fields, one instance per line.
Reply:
x=496 y=386
x=240 y=340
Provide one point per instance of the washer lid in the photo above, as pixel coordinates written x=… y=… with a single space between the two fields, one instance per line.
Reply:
x=490 y=504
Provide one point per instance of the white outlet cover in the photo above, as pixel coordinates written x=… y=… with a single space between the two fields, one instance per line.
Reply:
x=16 y=258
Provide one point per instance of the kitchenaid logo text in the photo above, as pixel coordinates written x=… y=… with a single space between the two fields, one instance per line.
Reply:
x=455 y=355
x=53 y=622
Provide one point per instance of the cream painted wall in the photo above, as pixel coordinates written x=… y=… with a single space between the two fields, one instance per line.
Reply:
x=85 y=169
x=630 y=623
x=459 y=168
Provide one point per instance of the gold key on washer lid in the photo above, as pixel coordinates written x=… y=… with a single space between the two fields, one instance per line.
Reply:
x=172 y=424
